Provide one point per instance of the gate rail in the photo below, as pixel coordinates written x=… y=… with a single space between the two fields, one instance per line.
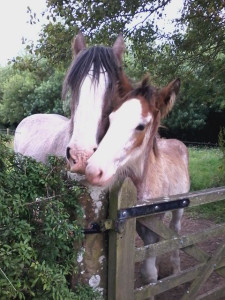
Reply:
x=123 y=255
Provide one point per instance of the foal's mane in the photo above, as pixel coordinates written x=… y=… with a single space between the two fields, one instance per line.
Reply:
x=144 y=90
x=98 y=59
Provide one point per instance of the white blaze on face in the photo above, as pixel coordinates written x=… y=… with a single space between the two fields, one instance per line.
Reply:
x=88 y=113
x=117 y=147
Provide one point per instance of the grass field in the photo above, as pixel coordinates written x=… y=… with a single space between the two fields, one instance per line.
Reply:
x=205 y=166
x=206 y=171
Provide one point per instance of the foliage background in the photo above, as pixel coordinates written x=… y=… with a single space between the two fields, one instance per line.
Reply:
x=194 y=51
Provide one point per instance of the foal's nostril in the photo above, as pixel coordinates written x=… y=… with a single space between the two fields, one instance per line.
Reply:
x=94 y=175
x=68 y=152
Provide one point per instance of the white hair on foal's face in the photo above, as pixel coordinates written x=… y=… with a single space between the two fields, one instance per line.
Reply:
x=123 y=143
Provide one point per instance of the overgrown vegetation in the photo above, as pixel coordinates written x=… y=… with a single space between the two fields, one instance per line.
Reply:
x=39 y=216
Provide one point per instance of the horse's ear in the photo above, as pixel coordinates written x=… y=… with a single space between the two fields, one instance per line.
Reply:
x=167 y=97
x=144 y=88
x=78 y=43
x=119 y=47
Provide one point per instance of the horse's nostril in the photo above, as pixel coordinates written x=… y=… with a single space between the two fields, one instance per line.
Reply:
x=94 y=149
x=68 y=152
x=100 y=174
x=69 y=157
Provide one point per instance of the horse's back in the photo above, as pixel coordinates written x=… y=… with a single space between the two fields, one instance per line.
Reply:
x=168 y=171
x=174 y=148
x=176 y=164
x=39 y=135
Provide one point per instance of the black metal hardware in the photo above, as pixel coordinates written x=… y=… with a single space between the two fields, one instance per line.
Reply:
x=95 y=228
x=119 y=226
x=143 y=210
x=100 y=227
x=134 y=212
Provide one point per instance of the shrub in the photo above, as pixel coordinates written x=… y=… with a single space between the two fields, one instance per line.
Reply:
x=38 y=228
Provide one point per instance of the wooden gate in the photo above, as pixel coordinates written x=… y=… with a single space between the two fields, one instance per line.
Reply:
x=123 y=255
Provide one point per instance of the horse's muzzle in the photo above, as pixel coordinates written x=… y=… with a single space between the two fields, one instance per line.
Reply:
x=77 y=160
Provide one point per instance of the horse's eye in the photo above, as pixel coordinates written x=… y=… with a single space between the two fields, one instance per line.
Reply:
x=140 y=127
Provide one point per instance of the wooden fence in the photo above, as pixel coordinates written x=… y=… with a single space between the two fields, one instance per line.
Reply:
x=123 y=255
x=7 y=131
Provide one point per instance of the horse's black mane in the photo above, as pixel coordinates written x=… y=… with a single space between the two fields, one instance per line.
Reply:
x=97 y=58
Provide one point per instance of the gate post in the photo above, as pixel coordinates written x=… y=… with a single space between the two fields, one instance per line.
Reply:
x=92 y=253
x=122 y=244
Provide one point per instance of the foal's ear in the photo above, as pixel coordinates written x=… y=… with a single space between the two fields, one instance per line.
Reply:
x=78 y=43
x=119 y=47
x=167 y=97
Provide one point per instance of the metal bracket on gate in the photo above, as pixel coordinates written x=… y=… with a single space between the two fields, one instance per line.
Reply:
x=143 y=210
x=135 y=212
x=100 y=227
x=94 y=228
x=104 y=226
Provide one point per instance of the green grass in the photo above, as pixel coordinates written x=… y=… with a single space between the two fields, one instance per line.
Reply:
x=205 y=168
x=207 y=171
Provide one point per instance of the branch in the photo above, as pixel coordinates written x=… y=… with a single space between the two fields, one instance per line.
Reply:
x=41 y=200
x=3 y=273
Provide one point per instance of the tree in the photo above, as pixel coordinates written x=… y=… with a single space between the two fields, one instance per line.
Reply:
x=15 y=91
x=205 y=21
x=100 y=21
x=46 y=98
x=29 y=86
x=194 y=52
x=200 y=59
x=199 y=111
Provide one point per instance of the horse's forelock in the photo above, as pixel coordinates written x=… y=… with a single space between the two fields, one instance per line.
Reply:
x=98 y=59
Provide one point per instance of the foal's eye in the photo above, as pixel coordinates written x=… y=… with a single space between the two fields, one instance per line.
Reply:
x=140 y=127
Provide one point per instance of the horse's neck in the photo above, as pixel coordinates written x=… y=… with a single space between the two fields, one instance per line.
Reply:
x=166 y=171
x=62 y=138
x=149 y=183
